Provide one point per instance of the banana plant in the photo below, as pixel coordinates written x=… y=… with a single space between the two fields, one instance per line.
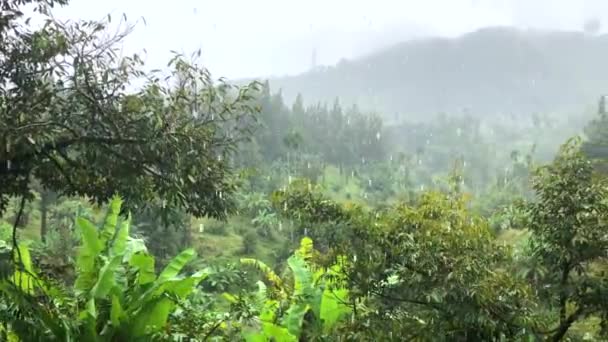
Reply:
x=23 y=316
x=117 y=294
x=123 y=297
x=266 y=220
x=310 y=305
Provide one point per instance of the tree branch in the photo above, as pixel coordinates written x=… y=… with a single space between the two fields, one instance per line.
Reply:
x=51 y=146
x=565 y=325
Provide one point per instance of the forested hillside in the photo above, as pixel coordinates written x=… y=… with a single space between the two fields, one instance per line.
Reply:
x=484 y=73
x=148 y=205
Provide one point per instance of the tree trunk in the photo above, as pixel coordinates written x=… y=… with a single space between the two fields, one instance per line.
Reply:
x=46 y=199
x=43 y=219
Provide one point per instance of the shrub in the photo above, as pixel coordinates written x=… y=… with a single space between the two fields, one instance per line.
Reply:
x=217 y=228
x=250 y=242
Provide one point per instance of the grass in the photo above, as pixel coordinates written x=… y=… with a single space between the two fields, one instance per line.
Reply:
x=228 y=246
x=513 y=237
x=342 y=188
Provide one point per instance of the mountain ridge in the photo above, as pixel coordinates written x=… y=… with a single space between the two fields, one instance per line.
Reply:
x=491 y=71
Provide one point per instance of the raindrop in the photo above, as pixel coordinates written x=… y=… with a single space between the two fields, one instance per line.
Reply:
x=369 y=182
x=305 y=231
x=309 y=186
x=285 y=206
x=458 y=131
x=205 y=145
x=352 y=174
x=201 y=228
x=362 y=160
x=354 y=257
x=308 y=165
x=220 y=195
x=391 y=157
x=280 y=226
x=365 y=195
x=377 y=135
x=348 y=121
x=288 y=179
x=464 y=163
x=428 y=141
x=419 y=161
x=421 y=187
x=219 y=157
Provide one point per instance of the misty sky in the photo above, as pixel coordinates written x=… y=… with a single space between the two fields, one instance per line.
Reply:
x=245 y=38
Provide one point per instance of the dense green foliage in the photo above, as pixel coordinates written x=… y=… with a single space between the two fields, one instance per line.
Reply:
x=226 y=214
x=70 y=119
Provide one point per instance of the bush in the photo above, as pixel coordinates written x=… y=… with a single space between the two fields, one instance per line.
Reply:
x=250 y=242
x=6 y=231
x=217 y=228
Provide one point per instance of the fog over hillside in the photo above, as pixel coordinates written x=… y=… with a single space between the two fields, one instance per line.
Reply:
x=487 y=72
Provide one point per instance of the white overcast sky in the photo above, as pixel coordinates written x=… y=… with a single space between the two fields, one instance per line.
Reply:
x=245 y=38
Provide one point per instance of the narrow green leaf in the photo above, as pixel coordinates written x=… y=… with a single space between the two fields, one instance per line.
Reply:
x=90 y=309
x=109 y=225
x=295 y=317
x=229 y=297
x=183 y=287
x=116 y=312
x=24 y=279
x=254 y=336
x=301 y=275
x=278 y=333
x=145 y=266
x=106 y=278
x=266 y=270
x=152 y=318
x=134 y=246
x=176 y=265
x=306 y=248
x=333 y=307
x=120 y=241
x=89 y=250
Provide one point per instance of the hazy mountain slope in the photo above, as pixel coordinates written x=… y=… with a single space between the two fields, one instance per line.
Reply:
x=494 y=70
